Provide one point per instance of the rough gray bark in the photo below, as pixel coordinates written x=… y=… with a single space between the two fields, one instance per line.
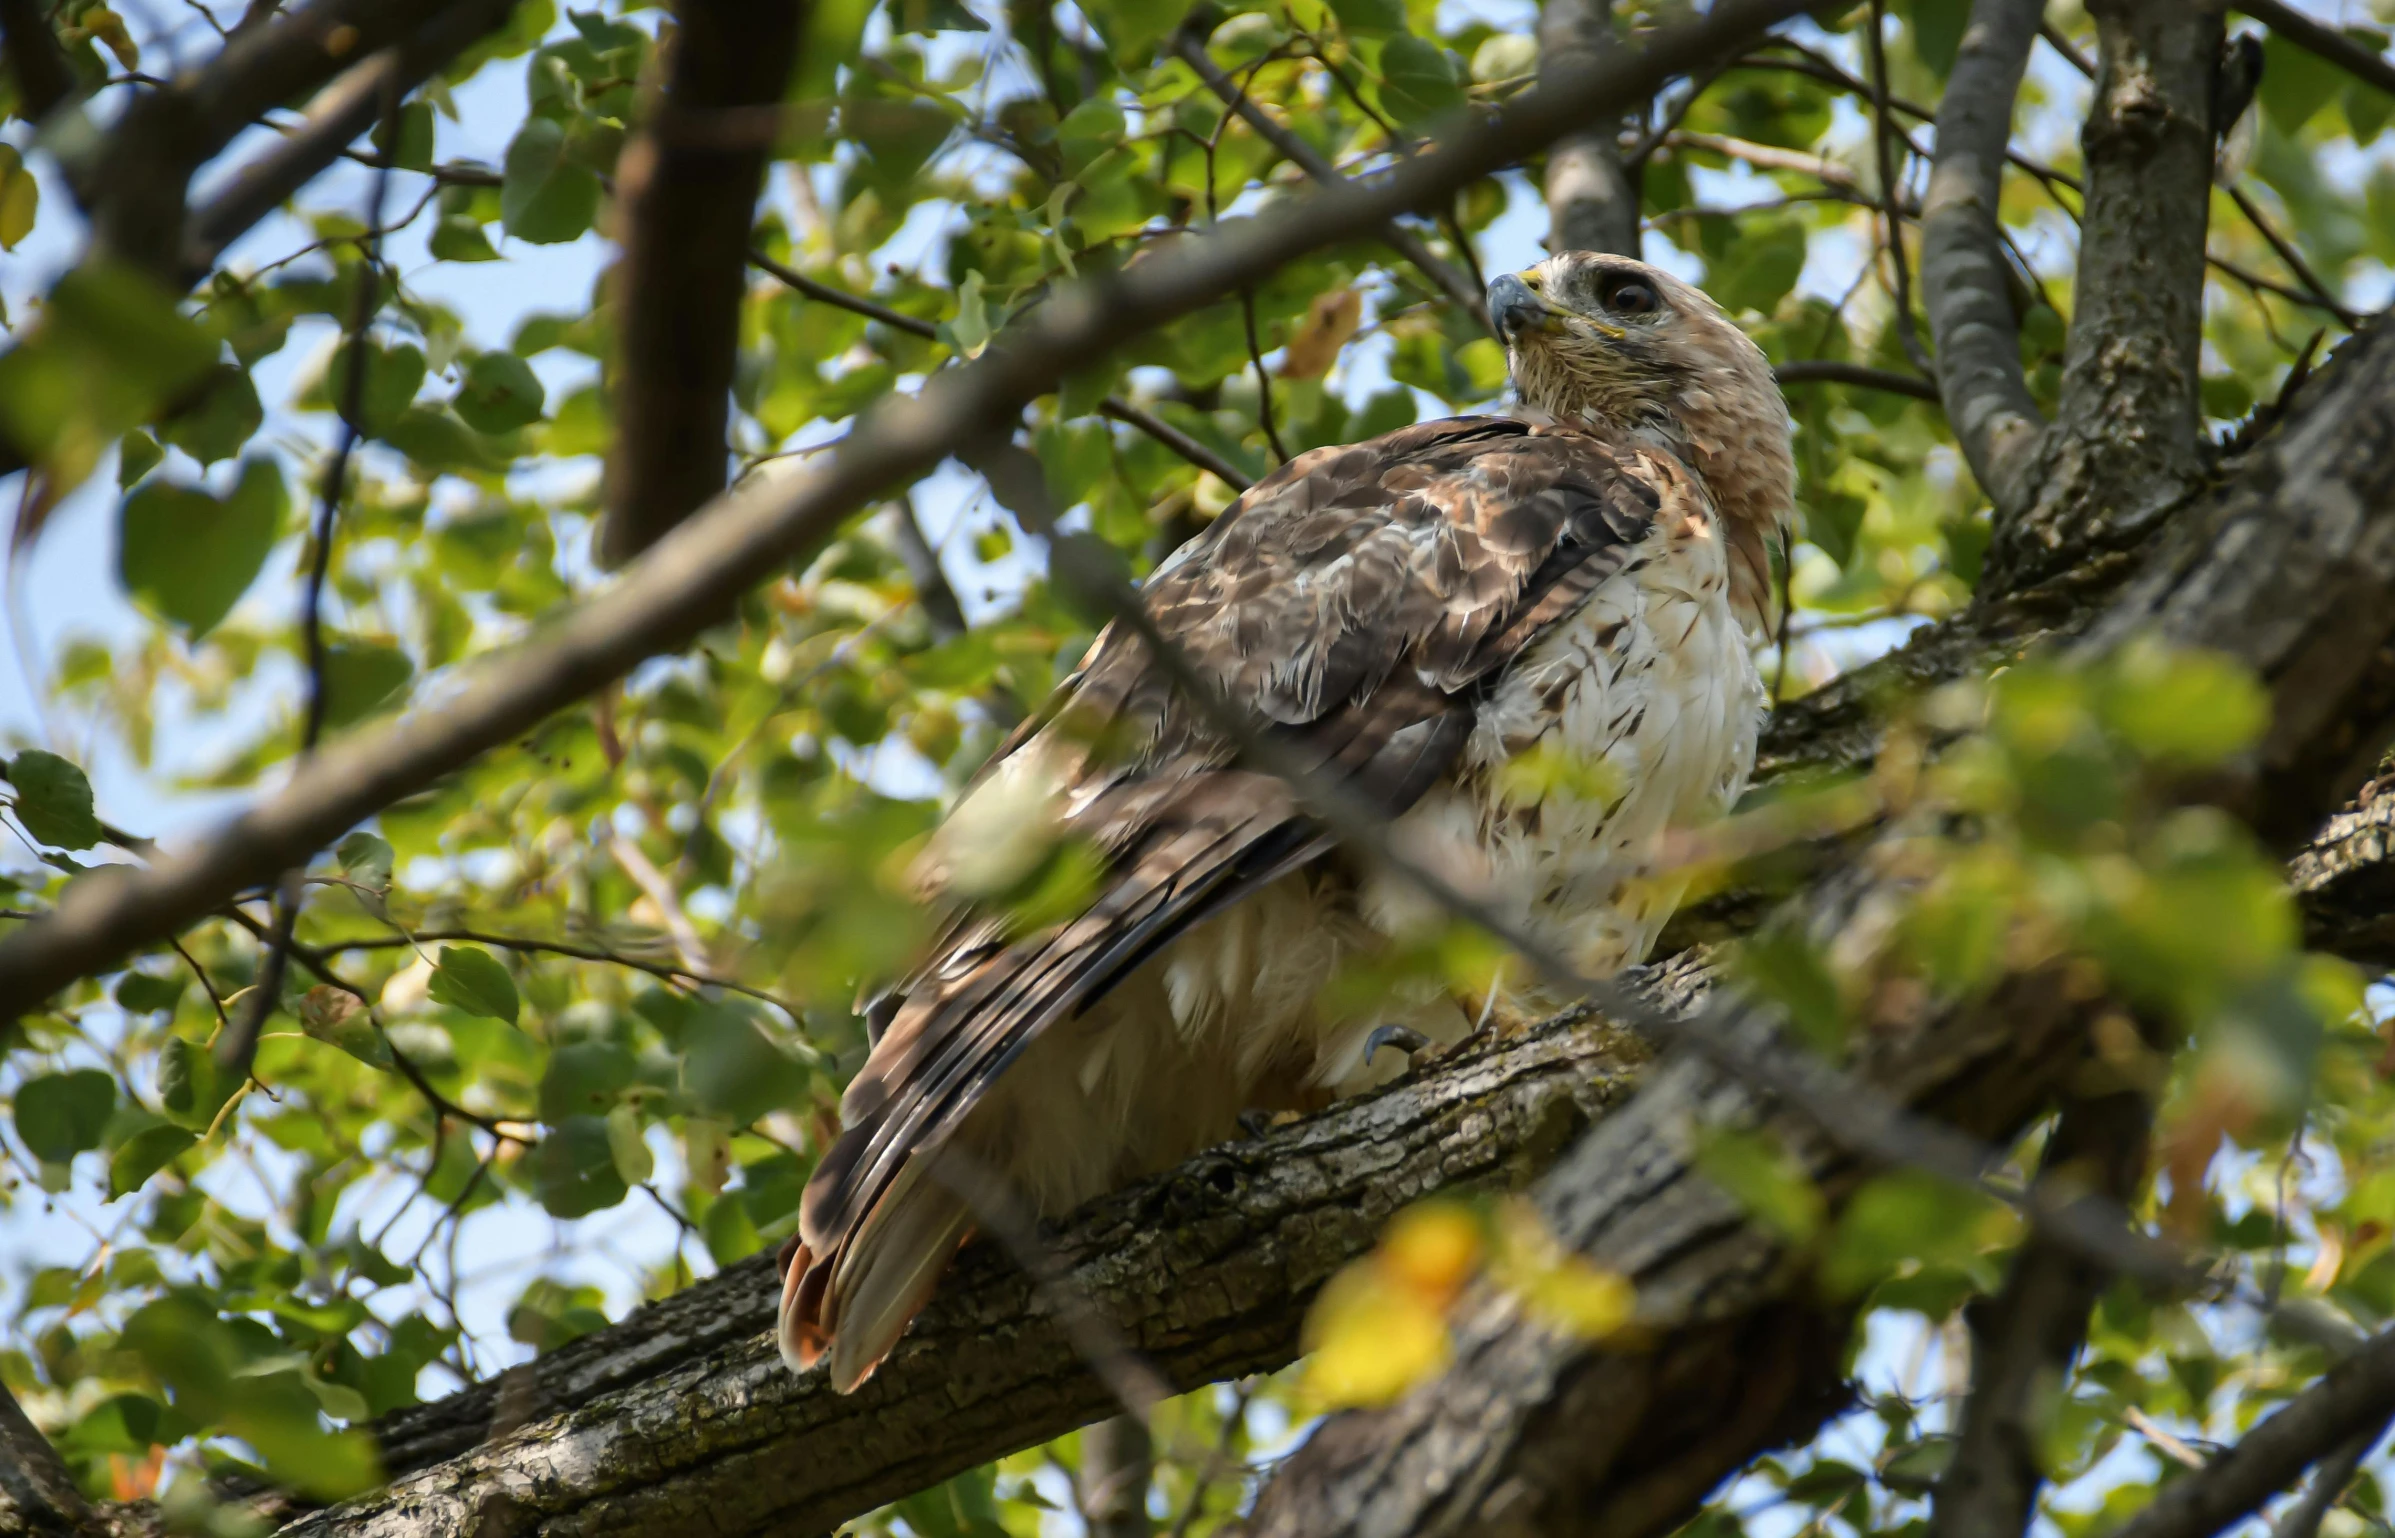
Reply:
x=1592 y=199
x=1963 y=278
x=2024 y=1339
x=38 y=1498
x=683 y=1414
x=2344 y=880
x=2289 y=566
x=2126 y=440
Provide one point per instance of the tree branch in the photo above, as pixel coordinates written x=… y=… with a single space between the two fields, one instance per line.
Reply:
x=1113 y=405
x=2354 y=1396
x=2024 y=1340
x=1190 y=43
x=38 y=1498
x=2326 y=41
x=1963 y=279
x=695 y=575
x=1592 y=195
x=2303 y=1516
x=686 y=206
x=2126 y=441
x=336 y=117
x=685 y=1407
x=1534 y=1430
x=1830 y=371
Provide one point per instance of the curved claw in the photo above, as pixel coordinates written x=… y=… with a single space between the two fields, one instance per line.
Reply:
x=1403 y=1037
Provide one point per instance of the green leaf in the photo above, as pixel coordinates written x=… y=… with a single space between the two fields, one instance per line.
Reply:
x=20 y=198
x=500 y=394
x=144 y=1154
x=359 y=678
x=573 y=1169
x=628 y=1142
x=1909 y=1215
x=458 y=238
x=188 y=1084
x=1418 y=81
x=731 y=1067
x=583 y=1079
x=136 y=456
x=1938 y=32
x=147 y=993
x=60 y=1115
x=187 y=557
x=1370 y=18
x=1760 y=267
x=413 y=149
x=366 y=859
x=1753 y=1168
x=2296 y=83
x=221 y=421
x=53 y=800
x=544 y=198
x=468 y=977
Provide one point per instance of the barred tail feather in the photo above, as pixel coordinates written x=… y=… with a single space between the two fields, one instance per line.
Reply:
x=853 y=1303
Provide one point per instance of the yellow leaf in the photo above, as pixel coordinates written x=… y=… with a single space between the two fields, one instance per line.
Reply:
x=1432 y=1249
x=1565 y=1290
x=109 y=28
x=1370 y=1339
x=1314 y=346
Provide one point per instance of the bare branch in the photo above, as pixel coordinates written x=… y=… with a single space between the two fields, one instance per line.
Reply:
x=1118 y=1460
x=136 y=182
x=1962 y=255
x=932 y=587
x=1190 y=43
x=2318 y=291
x=2303 y=1516
x=336 y=117
x=1113 y=405
x=1592 y=194
x=695 y=575
x=2126 y=442
x=685 y=206
x=2024 y=1340
x=1828 y=371
x=2354 y=1396
x=38 y=1498
x=2326 y=41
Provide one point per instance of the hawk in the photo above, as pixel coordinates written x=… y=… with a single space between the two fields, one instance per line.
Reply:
x=1411 y=615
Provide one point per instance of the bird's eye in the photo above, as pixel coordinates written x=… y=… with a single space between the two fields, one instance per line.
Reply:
x=1631 y=296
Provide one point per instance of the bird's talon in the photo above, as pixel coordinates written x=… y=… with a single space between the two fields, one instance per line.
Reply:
x=1403 y=1037
x=1255 y=1122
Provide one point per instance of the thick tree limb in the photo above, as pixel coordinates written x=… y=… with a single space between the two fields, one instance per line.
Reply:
x=684 y=1409
x=2326 y=41
x=1592 y=196
x=2354 y=1396
x=685 y=206
x=38 y=1498
x=1963 y=280
x=2024 y=1340
x=2126 y=441
x=691 y=578
x=1190 y=43
x=2344 y=880
x=1535 y=1432
x=1117 y=1462
x=2303 y=1515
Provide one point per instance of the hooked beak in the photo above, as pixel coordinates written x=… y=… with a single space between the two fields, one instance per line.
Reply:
x=1514 y=309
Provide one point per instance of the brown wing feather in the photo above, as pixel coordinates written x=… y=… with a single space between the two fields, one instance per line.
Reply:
x=1355 y=603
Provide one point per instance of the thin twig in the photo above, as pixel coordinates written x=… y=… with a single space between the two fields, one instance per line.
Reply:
x=1255 y=356
x=239 y=1044
x=2287 y=253
x=1882 y=126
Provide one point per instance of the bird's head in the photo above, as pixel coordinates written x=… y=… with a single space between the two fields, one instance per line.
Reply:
x=1603 y=340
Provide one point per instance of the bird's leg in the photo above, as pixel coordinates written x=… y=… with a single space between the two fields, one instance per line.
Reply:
x=1403 y=1037
x=1257 y=1122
